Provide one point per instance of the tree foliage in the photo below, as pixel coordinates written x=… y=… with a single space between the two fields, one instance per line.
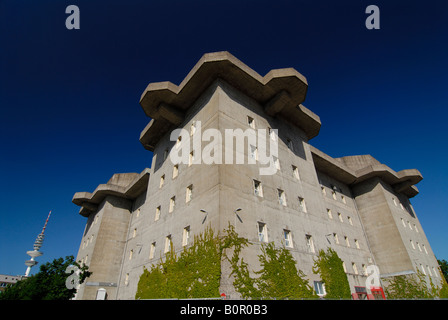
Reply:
x=444 y=268
x=329 y=266
x=48 y=283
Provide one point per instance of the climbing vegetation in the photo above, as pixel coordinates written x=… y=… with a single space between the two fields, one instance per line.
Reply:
x=196 y=271
x=329 y=266
x=414 y=286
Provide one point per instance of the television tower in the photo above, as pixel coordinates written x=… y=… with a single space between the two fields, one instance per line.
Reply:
x=37 y=245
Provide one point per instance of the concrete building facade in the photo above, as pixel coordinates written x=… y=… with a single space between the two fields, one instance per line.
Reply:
x=354 y=204
x=7 y=280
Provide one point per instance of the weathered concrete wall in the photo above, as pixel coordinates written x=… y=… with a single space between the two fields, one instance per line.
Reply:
x=105 y=253
x=382 y=231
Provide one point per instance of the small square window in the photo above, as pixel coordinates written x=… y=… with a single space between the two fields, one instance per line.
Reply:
x=336 y=238
x=157 y=217
x=423 y=269
x=189 y=193
x=323 y=190
x=355 y=268
x=152 y=250
x=276 y=162
x=168 y=244
x=281 y=197
x=253 y=154
x=272 y=134
x=172 y=204
x=258 y=189
x=179 y=141
x=186 y=236
x=295 y=172
x=288 y=239
x=262 y=232
x=302 y=204
x=364 y=270
x=394 y=201
x=319 y=287
x=309 y=243
x=175 y=171
x=333 y=193
x=193 y=128
x=190 y=158
x=251 y=122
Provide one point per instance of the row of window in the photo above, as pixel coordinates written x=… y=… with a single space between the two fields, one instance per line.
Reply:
x=399 y=202
x=172 y=204
x=258 y=191
x=287 y=237
x=341 y=219
x=429 y=270
x=87 y=241
x=262 y=237
x=419 y=246
x=355 y=268
x=168 y=245
x=409 y=224
x=346 y=241
x=333 y=193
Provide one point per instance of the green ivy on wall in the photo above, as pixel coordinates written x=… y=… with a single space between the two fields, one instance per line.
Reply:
x=279 y=278
x=414 y=286
x=329 y=266
x=196 y=271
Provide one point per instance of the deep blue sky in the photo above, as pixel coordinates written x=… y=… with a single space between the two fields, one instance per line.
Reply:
x=70 y=118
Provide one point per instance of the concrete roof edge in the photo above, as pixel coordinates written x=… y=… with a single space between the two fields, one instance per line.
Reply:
x=404 y=180
x=88 y=201
x=227 y=67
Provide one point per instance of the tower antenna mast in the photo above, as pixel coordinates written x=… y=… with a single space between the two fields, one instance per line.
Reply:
x=37 y=245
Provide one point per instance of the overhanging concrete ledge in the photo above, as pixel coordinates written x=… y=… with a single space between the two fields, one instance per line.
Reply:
x=355 y=169
x=89 y=201
x=166 y=102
